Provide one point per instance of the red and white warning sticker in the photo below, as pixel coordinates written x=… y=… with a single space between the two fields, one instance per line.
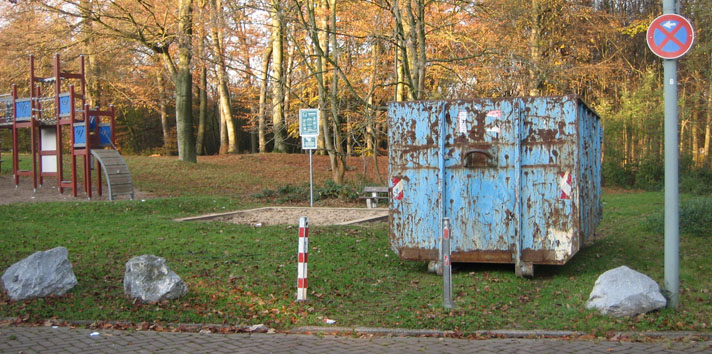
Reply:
x=397 y=188
x=565 y=185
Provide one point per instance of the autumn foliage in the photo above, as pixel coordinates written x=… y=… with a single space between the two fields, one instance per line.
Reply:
x=254 y=63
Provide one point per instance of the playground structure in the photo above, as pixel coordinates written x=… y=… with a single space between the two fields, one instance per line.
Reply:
x=5 y=114
x=63 y=112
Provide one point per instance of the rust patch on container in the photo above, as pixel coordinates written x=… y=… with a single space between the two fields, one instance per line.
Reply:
x=418 y=254
x=479 y=256
x=541 y=257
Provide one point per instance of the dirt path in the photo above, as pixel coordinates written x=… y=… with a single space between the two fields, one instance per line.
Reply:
x=46 y=193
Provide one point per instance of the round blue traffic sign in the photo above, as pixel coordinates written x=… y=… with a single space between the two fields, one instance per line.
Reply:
x=670 y=36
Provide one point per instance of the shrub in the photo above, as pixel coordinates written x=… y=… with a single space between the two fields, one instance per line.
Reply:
x=331 y=190
x=291 y=193
x=696 y=181
x=614 y=175
x=650 y=174
x=695 y=218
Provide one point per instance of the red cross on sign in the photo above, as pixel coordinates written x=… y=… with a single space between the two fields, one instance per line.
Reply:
x=670 y=36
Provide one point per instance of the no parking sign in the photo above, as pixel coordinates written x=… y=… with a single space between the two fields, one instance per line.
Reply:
x=670 y=36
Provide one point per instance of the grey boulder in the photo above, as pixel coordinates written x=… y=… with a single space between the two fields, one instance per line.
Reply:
x=625 y=292
x=41 y=274
x=149 y=279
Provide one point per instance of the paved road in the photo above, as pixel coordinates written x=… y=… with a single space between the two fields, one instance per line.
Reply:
x=68 y=340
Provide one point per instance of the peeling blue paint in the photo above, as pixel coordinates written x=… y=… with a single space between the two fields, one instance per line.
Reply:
x=522 y=178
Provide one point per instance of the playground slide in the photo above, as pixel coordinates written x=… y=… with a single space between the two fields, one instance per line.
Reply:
x=118 y=178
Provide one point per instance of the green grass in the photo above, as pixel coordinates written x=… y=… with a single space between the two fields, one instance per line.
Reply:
x=239 y=274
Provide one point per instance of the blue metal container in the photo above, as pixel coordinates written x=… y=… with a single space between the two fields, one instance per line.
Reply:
x=519 y=178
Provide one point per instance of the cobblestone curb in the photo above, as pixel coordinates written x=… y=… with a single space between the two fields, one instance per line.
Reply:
x=376 y=331
x=502 y=333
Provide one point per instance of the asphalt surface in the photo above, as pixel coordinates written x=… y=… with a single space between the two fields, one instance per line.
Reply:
x=53 y=339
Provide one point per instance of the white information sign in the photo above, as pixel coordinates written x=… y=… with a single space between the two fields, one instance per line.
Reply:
x=309 y=122
x=309 y=142
x=309 y=131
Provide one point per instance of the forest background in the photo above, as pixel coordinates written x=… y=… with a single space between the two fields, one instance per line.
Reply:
x=193 y=77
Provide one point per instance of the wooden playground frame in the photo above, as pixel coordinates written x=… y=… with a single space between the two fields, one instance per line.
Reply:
x=48 y=117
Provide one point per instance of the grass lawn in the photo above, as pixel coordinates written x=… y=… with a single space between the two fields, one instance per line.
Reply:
x=239 y=274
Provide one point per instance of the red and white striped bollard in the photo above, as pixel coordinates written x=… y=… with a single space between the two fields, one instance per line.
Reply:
x=302 y=259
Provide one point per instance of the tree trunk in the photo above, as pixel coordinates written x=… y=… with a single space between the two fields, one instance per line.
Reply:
x=277 y=79
x=681 y=139
x=626 y=145
x=202 y=88
x=338 y=173
x=416 y=47
x=405 y=47
x=168 y=146
x=370 y=131
x=400 y=76
x=224 y=141
x=223 y=89
x=318 y=44
x=184 y=84
x=708 y=127
x=226 y=113
x=261 y=128
x=249 y=78
x=694 y=132
x=534 y=50
x=287 y=79
x=349 y=132
x=410 y=38
x=203 y=94
x=93 y=87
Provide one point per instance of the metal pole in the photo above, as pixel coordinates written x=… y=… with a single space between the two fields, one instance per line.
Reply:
x=519 y=268
x=447 y=266
x=672 y=198
x=311 y=181
x=441 y=176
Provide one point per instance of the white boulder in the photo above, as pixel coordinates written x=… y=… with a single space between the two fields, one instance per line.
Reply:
x=625 y=292
x=149 y=279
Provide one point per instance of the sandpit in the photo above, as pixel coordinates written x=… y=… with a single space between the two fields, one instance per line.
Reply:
x=290 y=215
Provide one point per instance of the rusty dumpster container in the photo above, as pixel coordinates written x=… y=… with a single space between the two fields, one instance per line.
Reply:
x=519 y=178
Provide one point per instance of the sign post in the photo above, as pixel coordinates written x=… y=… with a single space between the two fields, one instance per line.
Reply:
x=447 y=265
x=309 y=131
x=670 y=36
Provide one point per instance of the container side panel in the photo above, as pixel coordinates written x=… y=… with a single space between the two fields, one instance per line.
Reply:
x=558 y=192
x=549 y=180
x=480 y=191
x=589 y=142
x=413 y=170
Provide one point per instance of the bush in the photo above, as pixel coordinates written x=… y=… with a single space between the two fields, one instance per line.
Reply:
x=695 y=218
x=696 y=181
x=614 y=175
x=650 y=175
x=331 y=190
x=290 y=193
